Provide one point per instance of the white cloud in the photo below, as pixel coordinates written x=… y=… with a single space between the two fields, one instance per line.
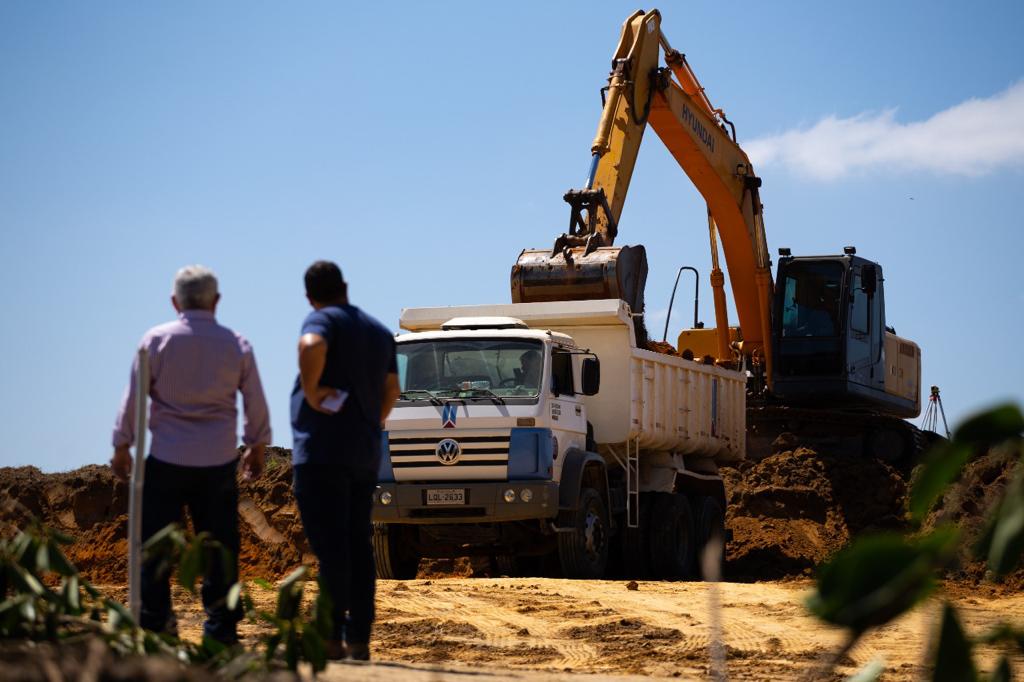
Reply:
x=972 y=138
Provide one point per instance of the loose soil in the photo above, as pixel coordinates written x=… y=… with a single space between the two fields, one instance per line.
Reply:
x=659 y=629
x=788 y=513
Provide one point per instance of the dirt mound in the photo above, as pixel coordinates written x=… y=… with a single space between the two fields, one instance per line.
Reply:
x=970 y=502
x=91 y=506
x=791 y=510
x=787 y=512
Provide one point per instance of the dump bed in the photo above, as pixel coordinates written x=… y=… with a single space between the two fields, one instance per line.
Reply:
x=662 y=402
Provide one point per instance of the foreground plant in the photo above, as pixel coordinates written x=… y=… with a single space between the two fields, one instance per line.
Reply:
x=75 y=610
x=880 y=577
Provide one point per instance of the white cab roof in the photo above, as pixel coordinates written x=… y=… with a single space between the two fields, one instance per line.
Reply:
x=562 y=314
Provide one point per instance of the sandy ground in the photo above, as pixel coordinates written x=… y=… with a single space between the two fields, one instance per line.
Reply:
x=543 y=629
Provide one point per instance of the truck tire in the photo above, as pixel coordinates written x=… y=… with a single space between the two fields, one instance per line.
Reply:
x=633 y=542
x=710 y=524
x=672 y=541
x=583 y=551
x=392 y=557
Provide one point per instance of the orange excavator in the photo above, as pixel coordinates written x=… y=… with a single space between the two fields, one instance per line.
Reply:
x=822 y=362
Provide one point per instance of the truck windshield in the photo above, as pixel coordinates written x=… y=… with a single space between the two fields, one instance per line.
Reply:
x=470 y=368
x=811 y=299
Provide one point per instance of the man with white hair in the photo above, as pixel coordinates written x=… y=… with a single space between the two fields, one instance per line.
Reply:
x=197 y=368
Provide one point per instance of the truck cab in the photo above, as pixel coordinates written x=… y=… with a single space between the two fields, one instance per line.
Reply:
x=488 y=412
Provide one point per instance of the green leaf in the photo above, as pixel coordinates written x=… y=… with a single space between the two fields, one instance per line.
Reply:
x=28 y=610
x=870 y=673
x=234 y=592
x=165 y=543
x=211 y=647
x=298 y=575
x=263 y=582
x=61 y=538
x=59 y=563
x=289 y=594
x=42 y=558
x=118 y=614
x=953 y=661
x=992 y=426
x=313 y=649
x=323 y=621
x=941 y=467
x=72 y=597
x=228 y=564
x=28 y=582
x=22 y=544
x=1002 y=673
x=878 y=577
x=191 y=566
x=291 y=650
x=273 y=642
x=1003 y=539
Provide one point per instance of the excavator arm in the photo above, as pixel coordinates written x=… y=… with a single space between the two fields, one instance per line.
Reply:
x=671 y=100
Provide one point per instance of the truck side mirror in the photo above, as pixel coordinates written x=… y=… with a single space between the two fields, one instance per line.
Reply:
x=869 y=279
x=591 y=376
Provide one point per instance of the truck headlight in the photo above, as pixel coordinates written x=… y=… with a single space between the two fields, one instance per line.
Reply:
x=385 y=497
x=510 y=495
x=525 y=494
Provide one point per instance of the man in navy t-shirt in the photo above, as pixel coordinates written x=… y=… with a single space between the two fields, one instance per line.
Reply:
x=347 y=385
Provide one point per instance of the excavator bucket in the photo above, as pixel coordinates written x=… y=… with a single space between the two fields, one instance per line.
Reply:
x=571 y=275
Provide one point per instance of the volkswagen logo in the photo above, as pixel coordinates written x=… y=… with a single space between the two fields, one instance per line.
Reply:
x=448 y=451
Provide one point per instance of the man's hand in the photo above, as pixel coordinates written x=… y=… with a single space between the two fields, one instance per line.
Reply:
x=252 y=461
x=318 y=395
x=121 y=462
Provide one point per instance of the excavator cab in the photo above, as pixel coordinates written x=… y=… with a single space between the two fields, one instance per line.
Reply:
x=830 y=339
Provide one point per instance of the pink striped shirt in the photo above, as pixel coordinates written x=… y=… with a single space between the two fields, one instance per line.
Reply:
x=196 y=368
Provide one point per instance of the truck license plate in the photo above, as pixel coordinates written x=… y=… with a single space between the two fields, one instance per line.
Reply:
x=446 y=496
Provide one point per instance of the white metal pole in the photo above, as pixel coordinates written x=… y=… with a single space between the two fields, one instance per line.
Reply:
x=135 y=493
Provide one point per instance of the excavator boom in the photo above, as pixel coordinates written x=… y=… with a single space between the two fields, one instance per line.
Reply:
x=670 y=99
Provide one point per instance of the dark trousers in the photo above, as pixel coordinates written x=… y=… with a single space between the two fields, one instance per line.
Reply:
x=335 y=505
x=211 y=496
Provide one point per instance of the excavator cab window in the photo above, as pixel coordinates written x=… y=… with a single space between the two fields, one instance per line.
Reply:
x=860 y=314
x=810 y=307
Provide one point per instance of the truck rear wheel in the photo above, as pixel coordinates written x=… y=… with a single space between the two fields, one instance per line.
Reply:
x=671 y=536
x=583 y=551
x=393 y=558
x=710 y=526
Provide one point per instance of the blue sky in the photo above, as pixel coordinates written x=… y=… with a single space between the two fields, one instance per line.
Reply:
x=422 y=145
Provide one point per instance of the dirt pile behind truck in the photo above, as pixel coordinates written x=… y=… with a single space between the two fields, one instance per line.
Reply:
x=787 y=512
x=793 y=509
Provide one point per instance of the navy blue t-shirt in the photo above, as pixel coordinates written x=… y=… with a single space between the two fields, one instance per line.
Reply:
x=360 y=355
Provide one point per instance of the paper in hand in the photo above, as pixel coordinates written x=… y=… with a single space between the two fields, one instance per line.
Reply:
x=333 y=403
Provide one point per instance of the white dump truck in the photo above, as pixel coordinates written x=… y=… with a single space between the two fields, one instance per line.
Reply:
x=539 y=434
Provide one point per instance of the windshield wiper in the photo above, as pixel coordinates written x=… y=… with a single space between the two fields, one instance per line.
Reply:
x=408 y=395
x=486 y=393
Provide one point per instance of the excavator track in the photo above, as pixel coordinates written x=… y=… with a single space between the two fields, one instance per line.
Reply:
x=771 y=428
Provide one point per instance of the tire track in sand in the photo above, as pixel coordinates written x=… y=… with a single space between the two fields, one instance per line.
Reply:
x=498 y=615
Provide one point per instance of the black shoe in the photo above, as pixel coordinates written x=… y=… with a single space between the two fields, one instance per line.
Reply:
x=357 y=651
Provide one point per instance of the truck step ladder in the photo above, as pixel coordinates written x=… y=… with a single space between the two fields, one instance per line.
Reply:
x=633 y=483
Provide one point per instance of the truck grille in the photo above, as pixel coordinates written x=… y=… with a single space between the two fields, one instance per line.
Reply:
x=482 y=456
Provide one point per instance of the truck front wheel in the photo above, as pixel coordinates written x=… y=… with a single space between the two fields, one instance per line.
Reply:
x=393 y=557
x=583 y=548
